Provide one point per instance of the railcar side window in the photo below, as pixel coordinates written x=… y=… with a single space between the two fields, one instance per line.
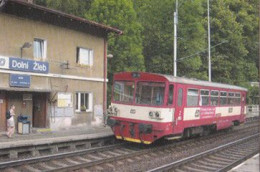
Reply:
x=231 y=99
x=123 y=91
x=237 y=98
x=180 y=97
x=214 y=98
x=204 y=97
x=150 y=93
x=223 y=98
x=192 y=97
x=170 y=96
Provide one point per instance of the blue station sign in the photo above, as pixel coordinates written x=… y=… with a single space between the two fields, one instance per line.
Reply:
x=28 y=65
x=20 y=80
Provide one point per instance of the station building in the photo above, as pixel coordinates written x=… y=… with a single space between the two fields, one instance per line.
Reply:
x=52 y=65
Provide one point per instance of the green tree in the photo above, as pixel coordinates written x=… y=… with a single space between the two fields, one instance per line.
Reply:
x=234 y=62
x=127 y=48
x=157 y=20
x=75 y=7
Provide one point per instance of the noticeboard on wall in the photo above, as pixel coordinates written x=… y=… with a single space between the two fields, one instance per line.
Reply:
x=20 y=80
x=64 y=99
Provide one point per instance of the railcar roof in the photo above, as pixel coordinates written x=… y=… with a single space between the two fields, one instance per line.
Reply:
x=200 y=82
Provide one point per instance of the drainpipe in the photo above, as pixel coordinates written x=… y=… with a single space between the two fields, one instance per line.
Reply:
x=105 y=79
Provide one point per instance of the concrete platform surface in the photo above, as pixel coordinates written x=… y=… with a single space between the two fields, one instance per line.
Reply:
x=250 y=165
x=47 y=136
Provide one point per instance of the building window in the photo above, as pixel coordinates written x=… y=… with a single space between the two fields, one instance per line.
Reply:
x=204 y=97
x=192 y=97
x=39 y=48
x=84 y=102
x=84 y=56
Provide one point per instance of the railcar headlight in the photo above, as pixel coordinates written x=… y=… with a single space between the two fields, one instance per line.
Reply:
x=157 y=114
x=151 y=114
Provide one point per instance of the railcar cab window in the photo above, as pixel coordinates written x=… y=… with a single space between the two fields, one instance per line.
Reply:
x=223 y=98
x=214 y=98
x=204 y=97
x=192 y=97
x=150 y=93
x=123 y=91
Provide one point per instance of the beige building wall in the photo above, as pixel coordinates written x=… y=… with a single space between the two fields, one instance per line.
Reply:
x=62 y=46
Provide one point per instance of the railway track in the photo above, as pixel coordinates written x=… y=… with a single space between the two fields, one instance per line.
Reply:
x=108 y=157
x=221 y=158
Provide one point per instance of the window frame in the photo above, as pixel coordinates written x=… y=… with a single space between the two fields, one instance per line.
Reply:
x=44 y=48
x=78 y=101
x=90 y=60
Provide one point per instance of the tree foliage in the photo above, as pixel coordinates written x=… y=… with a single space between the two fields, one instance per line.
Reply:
x=147 y=42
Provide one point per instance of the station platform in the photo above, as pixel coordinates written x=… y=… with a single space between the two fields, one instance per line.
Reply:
x=46 y=136
x=250 y=165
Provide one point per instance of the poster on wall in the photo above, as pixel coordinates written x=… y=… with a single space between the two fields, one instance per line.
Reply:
x=64 y=100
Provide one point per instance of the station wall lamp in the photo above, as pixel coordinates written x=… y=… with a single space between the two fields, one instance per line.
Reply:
x=25 y=45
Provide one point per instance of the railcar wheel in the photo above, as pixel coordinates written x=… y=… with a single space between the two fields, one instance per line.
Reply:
x=187 y=133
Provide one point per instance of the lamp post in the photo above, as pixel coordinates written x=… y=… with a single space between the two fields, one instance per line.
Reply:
x=209 y=44
x=25 y=45
x=175 y=40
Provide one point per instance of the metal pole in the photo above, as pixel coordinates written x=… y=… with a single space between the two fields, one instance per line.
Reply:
x=175 y=40
x=209 y=45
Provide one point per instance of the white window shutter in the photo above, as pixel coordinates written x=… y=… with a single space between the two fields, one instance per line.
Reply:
x=91 y=57
x=90 y=102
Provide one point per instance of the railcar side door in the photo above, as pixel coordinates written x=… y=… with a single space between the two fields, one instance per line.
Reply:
x=243 y=103
x=179 y=108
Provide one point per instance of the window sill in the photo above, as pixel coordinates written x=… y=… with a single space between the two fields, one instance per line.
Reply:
x=84 y=65
x=87 y=111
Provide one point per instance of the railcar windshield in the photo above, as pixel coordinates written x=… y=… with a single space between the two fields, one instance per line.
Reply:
x=150 y=93
x=124 y=91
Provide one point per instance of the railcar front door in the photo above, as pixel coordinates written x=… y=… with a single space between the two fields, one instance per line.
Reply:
x=179 y=108
x=243 y=103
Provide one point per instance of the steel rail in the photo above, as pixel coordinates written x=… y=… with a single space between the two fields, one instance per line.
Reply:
x=56 y=156
x=111 y=159
x=134 y=152
x=185 y=160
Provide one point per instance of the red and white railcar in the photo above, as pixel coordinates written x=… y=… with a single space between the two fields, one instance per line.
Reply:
x=146 y=106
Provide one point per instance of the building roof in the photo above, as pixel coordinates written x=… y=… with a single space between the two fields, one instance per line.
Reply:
x=32 y=11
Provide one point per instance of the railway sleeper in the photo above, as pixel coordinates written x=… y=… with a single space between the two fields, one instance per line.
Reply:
x=207 y=167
